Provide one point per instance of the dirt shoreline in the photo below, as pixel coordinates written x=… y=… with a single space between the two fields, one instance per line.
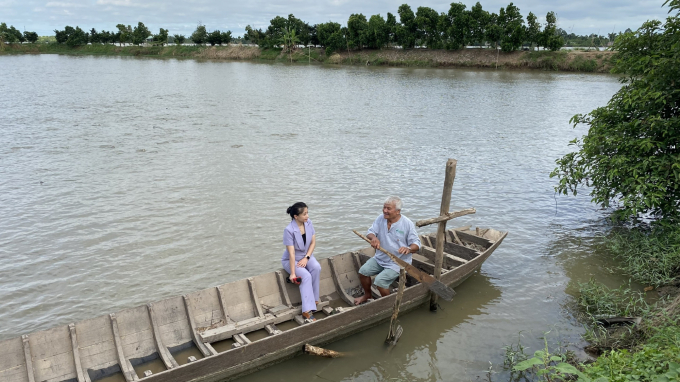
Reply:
x=573 y=61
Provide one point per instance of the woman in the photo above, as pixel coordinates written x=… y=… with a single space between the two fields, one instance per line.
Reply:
x=298 y=258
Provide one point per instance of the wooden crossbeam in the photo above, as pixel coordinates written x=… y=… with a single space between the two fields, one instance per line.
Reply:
x=445 y=217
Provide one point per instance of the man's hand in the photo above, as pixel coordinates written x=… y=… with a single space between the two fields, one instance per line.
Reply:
x=404 y=250
x=375 y=243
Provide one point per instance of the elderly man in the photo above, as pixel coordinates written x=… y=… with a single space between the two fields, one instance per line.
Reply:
x=397 y=234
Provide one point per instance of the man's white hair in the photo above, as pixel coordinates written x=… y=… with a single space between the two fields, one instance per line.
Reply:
x=396 y=201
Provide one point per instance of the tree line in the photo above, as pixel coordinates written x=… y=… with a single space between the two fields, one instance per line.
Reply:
x=455 y=29
x=11 y=34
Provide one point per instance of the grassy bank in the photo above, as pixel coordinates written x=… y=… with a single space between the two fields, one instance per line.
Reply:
x=648 y=350
x=578 y=61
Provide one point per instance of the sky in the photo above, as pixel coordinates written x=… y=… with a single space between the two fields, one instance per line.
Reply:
x=181 y=17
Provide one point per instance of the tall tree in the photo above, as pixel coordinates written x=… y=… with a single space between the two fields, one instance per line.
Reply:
x=533 y=30
x=161 y=37
x=378 y=32
x=391 y=25
x=124 y=34
x=179 y=39
x=140 y=33
x=630 y=157
x=407 y=31
x=513 y=29
x=427 y=23
x=550 y=38
x=479 y=19
x=357 y=27
x=31 y=37
x=458 y=26
x=200 y=35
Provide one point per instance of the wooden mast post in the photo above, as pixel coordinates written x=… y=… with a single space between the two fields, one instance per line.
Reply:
x=441 y=229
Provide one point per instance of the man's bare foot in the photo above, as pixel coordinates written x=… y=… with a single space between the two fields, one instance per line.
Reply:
x=360 y=300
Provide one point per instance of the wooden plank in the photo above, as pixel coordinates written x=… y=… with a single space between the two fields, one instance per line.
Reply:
x=459 y=250
x=256 y=300
x=29 y=359
x=223 y=306
x=163 y=351
x=123 y=363
x=282 y=287
x=338 y=285
x=76 y=354
x=357 y=260
x=474 y=239
x=194 y=336
x=448 y=216
x=449 y=260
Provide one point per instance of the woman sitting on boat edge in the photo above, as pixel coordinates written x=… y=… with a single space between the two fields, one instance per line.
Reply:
x=298 y=258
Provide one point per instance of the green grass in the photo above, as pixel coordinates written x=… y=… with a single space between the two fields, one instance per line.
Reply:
x=651 y=257
x=270 y=53
x=596 y=300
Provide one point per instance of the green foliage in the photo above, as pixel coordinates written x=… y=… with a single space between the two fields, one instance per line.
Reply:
x=650 y=257
x=429 y=31
x=357 y=31
x=214 y=37
x=331 y=36
x=10 y=34
x=179 y=39
x=378 y=33
x=533 y=30
x=512 y=23
x=406 y=32
x=31 y=37
x=141 y=33
x=72 y=36
x=597 y=300
x=657 y=360
x=544 y=365
x=458 y=26
x=200 y=35
x=479 y=22
x=161 y=37
x=124 y=34
x=631 y=154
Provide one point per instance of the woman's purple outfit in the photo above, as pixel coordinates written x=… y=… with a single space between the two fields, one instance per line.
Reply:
x=309 y=287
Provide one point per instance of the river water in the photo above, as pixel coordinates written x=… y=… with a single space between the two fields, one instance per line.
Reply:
x=125 y=181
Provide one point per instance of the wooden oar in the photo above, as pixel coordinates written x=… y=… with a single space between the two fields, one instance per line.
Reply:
x=433 y=284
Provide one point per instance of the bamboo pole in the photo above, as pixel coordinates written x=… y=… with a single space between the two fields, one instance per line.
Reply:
x=450 y=175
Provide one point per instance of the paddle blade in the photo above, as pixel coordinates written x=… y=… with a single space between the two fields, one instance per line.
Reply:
x=442 y=290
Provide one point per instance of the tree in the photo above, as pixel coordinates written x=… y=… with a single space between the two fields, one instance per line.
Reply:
x=31 y=37
x=161 y=37
x=427 y=23
x=95 y=37
x=179 y=39
x=200 y=35
x=458 y=26
x=391 y=25
x=225 y=37
x=533 y=30
x=479 y=19
x=357 y=28
x=140 y=34
x=77 y=37
x=493 y=29
x=631 y=155
x=513 y=28
x=214 y=37
x=378 y=33
x=407 y=31
x=124 y=34
x=549 y=37
x=10 y=34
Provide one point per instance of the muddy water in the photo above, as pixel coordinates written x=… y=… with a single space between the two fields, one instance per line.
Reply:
x=124 y=181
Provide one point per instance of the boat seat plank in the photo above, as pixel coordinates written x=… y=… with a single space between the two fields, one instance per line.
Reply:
x=76 y=354
x=207 y=308
x=469 y=236
x=456 y=250
x=163 y=351
x=207 y=352
x=450 y=261
x=340 y=288
x=239 y=300
x=13 y=361
x=96 y=345
x=52 y=354
x=124 y=364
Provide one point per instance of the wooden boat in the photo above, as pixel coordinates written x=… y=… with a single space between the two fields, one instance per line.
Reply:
x=229 y=330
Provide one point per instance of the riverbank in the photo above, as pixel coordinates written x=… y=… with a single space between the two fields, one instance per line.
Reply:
x=577 y=61
x=632 y=334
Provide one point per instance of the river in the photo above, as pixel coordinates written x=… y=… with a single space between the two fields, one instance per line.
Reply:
x=126 y=180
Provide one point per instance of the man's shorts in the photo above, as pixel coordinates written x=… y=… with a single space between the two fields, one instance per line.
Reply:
x=385 y=276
